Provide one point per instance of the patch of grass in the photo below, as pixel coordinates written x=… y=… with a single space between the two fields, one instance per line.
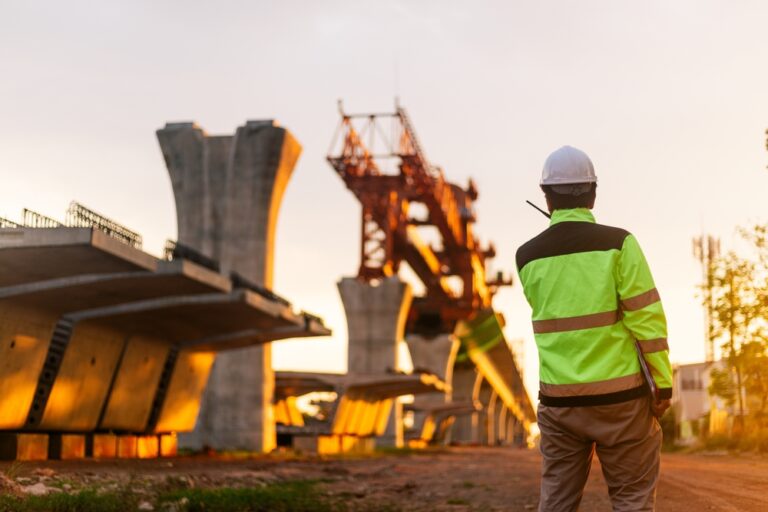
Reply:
x=299 y=496
x=84 y=501
x=386 y=450
x=467 y=484
x=14 y=469
x=457 y=501
x=296 y=496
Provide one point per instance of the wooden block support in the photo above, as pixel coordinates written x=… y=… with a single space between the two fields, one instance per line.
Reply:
x=127 y=447
x=148 y=447
x=24 y=447
x=104 y=446
x=66 y=446
x=169 y=445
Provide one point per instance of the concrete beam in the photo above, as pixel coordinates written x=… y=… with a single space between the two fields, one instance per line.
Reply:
x=365 y=400
x=85 y=351
x=34 y=254
x=438 y=418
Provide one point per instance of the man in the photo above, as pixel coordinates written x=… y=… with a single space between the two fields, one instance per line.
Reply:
x=592 y=297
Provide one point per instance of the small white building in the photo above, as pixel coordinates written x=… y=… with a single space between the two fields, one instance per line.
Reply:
x=696 y=412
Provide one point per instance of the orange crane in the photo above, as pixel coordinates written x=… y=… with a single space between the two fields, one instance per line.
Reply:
x=390 y=184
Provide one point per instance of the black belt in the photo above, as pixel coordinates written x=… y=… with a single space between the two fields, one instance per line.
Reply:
x=590 y=400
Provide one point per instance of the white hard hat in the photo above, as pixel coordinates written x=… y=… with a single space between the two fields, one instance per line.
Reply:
x=567 y=166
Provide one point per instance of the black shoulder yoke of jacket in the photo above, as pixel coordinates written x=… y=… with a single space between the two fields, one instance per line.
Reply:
x=570 y=238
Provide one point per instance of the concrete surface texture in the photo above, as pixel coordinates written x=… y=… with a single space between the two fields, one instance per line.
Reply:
x=436 y=355
x=466 y=427
x=376 y=316
x=228 y=192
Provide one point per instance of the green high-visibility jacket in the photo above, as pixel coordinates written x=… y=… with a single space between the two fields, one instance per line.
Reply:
x=592 y=296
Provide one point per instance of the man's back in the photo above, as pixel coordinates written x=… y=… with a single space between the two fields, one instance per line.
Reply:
x=592 y=295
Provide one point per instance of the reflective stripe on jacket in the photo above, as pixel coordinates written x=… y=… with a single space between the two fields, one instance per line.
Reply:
x=592 y=296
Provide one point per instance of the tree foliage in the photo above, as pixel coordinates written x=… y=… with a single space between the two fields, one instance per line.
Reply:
x=739 y=304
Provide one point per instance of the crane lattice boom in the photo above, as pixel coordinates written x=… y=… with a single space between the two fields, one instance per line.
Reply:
x=387 y=184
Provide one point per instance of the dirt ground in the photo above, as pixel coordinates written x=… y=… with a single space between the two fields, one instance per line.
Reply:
x=503 y=479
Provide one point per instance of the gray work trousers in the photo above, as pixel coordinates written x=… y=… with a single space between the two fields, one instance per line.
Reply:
x=627 y=438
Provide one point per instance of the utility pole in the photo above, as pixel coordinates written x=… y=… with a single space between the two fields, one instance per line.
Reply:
x=707 y=249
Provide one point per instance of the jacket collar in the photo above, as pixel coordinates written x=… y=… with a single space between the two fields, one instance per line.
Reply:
x=572 y=215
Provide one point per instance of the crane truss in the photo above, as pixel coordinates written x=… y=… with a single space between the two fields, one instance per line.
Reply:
x=380 y=159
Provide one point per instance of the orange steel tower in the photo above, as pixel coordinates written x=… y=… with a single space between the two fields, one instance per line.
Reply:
x=401 y=192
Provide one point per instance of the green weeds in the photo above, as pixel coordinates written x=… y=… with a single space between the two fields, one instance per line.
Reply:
x=296 y=496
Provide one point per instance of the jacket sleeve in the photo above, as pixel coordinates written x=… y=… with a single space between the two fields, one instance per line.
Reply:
x=643 y=314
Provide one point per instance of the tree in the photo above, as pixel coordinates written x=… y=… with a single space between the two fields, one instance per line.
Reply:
x=739 y=301
x=734 y=311
x=754 y=362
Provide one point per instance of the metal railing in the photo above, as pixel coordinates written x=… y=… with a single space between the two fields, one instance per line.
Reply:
x=80 y=216
x=5 y=223
x=33 y=219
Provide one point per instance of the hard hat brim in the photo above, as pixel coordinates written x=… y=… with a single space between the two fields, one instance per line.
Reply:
x=567 y=181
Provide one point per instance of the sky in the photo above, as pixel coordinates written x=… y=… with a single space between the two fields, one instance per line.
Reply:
x=669 y=99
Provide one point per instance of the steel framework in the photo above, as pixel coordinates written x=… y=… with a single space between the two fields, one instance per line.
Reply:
x=388 y=175
x=80 y=216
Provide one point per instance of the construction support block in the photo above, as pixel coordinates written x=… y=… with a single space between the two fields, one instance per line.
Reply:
x=66 y=446
x=23 y=447
x=104 y=446
x=127 y=447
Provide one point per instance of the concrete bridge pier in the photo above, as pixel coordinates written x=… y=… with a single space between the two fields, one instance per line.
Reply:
x=437 y=356
x=494 y=415
x=510 y=426
x=376 y=316
x=519 y=434
x=228 y=191
x=466 y=428
x=503 y=425
x=486 y=395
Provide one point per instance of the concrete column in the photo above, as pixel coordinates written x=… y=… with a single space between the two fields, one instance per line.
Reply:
x=511 y=429
x=188 y=159
x=228 y=192
x=503 y=425
x=465 y=428
x=485 y=395
x=435 y=355
x=376 y=316
x=495 y=406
